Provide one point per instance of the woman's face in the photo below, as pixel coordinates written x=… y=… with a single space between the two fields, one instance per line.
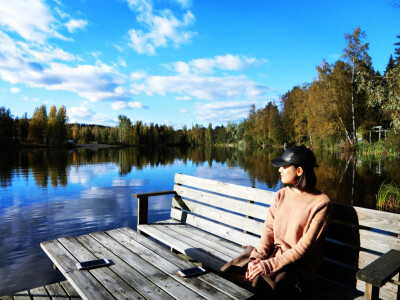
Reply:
x=289 y=174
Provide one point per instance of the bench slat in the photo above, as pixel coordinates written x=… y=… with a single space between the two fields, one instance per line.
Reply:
x=233 y=190
x=217 y=215
x=228 y=233
x=206 y=235
x=360 y=216
x=198 y=240
x=183 y=247
x=242 y=207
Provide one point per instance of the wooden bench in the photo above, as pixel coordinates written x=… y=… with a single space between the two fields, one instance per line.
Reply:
x=211 y=221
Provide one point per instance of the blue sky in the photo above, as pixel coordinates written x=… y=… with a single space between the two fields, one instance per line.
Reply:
x=175 y=62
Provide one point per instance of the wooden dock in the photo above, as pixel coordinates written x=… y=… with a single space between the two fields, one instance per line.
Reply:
x=59 y=291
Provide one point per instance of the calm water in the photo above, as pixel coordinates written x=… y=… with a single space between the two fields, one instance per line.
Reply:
x=50 y=193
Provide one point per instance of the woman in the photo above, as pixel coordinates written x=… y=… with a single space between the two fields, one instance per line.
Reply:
x=290 y=248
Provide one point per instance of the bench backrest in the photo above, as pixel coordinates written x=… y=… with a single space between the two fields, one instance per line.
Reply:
x=356 y=237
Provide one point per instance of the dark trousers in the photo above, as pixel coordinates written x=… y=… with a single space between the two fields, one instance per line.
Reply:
x=286 y=284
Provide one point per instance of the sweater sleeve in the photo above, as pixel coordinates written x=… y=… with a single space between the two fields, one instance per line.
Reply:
x=313 y=235
x=267 y=235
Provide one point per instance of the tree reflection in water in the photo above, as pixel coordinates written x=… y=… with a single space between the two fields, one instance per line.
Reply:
x=343 y=176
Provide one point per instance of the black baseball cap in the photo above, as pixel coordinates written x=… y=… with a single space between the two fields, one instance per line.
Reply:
x=297 y=155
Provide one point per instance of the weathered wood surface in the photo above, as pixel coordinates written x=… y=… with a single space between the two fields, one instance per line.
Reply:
x=141 y=269
x=220 y=218
x=56 y=291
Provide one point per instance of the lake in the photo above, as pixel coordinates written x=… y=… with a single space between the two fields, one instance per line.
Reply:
x=51 y=193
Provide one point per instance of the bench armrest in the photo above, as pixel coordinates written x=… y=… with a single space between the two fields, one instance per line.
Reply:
x=143 y=204
x=380 y=271
x=160 y=193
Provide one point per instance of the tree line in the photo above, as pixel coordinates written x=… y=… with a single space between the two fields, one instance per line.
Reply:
x=340 y=105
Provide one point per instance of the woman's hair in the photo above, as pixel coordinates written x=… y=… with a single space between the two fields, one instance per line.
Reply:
x=307 y=180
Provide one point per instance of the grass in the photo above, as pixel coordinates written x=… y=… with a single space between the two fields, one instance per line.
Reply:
x=388 y=197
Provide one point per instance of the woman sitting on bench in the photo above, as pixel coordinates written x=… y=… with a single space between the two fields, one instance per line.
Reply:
x=284 y=264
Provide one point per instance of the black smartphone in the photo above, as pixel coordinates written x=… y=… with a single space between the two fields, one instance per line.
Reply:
x=91 y=264
x=191 y=272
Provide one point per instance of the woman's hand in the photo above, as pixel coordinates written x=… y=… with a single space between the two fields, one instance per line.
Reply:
x=254 y=269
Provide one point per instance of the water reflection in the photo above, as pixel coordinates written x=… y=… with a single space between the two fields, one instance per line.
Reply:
x=49 y=193
x=343 y=176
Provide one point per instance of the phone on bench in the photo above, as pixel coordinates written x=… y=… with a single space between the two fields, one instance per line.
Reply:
x=191 y=272
x=91 y=264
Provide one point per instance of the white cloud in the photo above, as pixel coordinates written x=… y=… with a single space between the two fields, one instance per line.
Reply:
x=31 y=19
x=119 y=105
x=138 y=75
x=183 y=98
x=209 y=65
x=201 y=87
x=122 y=62
x=20 y=64
x=85 y=115
x=15 y=90
x=183 y=110
x=184 y=3
x=229 y=111
x=163 y=28
x=73 y=25
x=193 y=80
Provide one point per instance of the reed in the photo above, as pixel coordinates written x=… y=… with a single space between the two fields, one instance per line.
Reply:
x=388 y=197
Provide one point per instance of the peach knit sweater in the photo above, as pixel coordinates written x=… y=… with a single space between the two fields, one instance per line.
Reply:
x=293 y=232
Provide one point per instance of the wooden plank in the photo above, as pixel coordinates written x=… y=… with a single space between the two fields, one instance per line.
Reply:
x=153 y=194
x=56 y=291
x=193 y=231
x=133 y=277
x=105 y=276
x=211 y=261
x=69 y=289
x=219 y=283
x=233 y=190
x=231 y=234
x=39 y=293
x=230 y=204
x=65 y=262
x=195 y=284
x=220 y=216
x=382 y=220
x=359 y=216
x=195 y=242
x=24 y=295
x=381 y=270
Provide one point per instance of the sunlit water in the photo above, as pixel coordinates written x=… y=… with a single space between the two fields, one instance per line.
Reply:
x=47 y=194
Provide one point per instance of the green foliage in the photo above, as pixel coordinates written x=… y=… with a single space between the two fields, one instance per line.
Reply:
x=388 y=197
x=6 y=126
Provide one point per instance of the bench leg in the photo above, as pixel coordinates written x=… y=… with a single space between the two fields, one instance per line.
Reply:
x=371 y=292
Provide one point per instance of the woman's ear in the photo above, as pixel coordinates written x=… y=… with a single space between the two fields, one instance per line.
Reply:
x=299 y=171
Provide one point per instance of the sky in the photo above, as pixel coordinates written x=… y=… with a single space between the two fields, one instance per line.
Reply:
x=175 y=62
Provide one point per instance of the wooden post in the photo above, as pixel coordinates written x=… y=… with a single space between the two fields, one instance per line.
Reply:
x=143 y=210
x=371 y=292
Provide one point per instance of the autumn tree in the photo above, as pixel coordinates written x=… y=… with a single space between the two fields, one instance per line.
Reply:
x=356 y=55
x=6 y=126
x=38 y=125
x=124 y=126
